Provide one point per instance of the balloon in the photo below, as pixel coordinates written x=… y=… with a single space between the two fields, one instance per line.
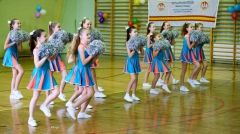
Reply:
x=38 y=8
x=237 y=7
x=105 y=15
x=142 y=1
x=37 y=14
x=235 y=15
x=43 y=11
x=100 y=14
x=230 y=9
x=101 y=20
x=136 y=2
x=135 y=25
x=130 y=23
x=135 y=21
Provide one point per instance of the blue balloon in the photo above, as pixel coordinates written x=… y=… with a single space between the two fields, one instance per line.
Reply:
x=237 y=7
x=38 y=8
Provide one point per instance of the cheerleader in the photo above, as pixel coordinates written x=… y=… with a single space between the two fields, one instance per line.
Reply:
x=10 y=59
x=187 y=56
x=132 y=66
x=41 y=79
x=159 y=66
x=199 y=54
x=81 y=74
x=169 y=54
x=86 y=23
x=57 y=64
x=151 y=27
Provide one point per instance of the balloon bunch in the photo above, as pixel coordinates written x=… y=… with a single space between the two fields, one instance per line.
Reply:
x=133 y=22
x=234 y=10
x=137 y=2
x=40 y=11
x=102 y=16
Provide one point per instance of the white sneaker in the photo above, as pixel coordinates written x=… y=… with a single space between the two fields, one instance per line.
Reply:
x=153 y=91
x=69 y=104
x=196 y=82
x=14 y=97
x=45 y=110
x=165 y=87
x=128 y=98
x=191 y=82
x=99 y=95
x=146 y=85
x=183 y=88
x=83 y=116
x=160 y=80
x=18 y=94
x=71 y=112
x=204 y=80
x=89 y=106
x=174 y=81
x=32 y=122
x=134 y=97
x=159 y=83
x=62 y=97
x=100 y=89
x=51 y=103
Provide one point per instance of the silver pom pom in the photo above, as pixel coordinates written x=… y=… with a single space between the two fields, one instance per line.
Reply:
x=96 y=48
x=134 y=43
x=25 y=36
x=58 y=44
x=195 y=36
x=47 y=49
x=15 y=36
x=167 y=34
x=161 y=45
x=62 y=35
x=96 y=35
x=204 y=39
x=143 y=40
x=175 y=33
x=70 y=37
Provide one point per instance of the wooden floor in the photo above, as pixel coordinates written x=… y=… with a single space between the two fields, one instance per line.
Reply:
x=212 y=108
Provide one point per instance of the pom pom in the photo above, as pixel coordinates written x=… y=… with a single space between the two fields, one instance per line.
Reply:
x=175 y=33
x=161 y=45
x=204 y=39
x=25 y=36
x=134 y=43
x=58 y=44
x=63 y=36
x=96 y=48
x=195 y=36
x=167 y=34
x=15 y=36
x=96 y=35
x=143 y=40
x=47 y=49
x=70 y=37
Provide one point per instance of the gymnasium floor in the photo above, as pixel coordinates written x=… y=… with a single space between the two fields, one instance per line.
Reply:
x=212 y=108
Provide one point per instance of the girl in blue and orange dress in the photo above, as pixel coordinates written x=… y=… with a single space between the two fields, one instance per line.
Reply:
x=81 y=74
x=151 y=27
x=198 y=52
x=187 y=56
x=132 y=66
x=169 y=53
x=57 y=65
x=41 y=79
x=10 y=59
x=86 y=23
x=159 y=66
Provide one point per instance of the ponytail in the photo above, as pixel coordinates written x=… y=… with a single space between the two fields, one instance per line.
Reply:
x=51 y=25
x=73 y=47
x=33 y=38
x=12 y=23
x=129 y=30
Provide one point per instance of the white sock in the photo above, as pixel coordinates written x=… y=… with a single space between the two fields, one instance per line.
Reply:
x=30 y=118
x=127 y=93
x=133 y=95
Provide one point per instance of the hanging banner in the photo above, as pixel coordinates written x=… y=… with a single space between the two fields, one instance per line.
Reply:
x=177 y=12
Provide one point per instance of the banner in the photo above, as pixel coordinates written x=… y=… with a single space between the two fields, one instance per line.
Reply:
x=177 y=12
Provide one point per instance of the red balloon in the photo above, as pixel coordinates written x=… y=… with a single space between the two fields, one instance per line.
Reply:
x=235 y=15
x=130 y=23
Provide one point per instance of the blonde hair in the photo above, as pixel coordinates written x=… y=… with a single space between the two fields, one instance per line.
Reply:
x=50 y=27
x=84 y=20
